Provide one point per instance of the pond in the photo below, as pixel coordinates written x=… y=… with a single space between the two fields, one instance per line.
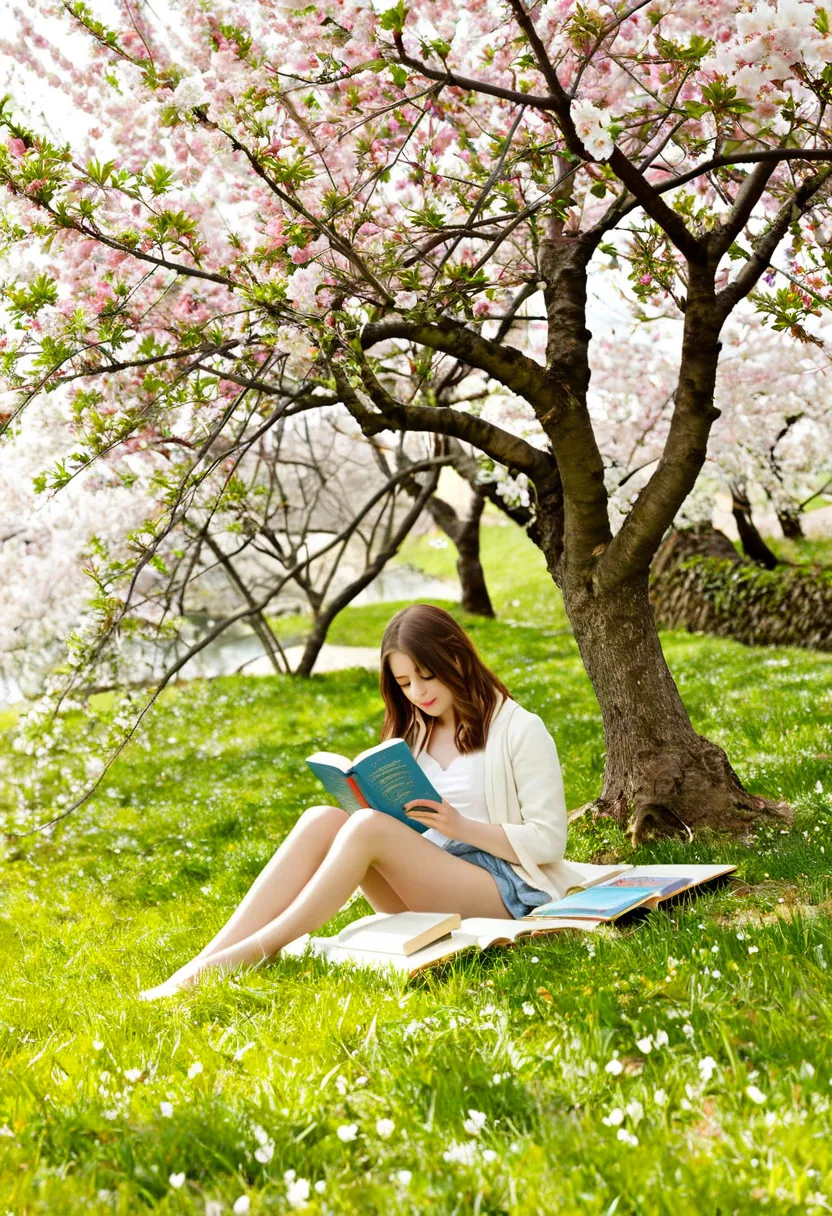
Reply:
x=239 y=650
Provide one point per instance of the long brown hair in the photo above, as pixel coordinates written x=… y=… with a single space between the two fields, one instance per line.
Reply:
x=437 y=644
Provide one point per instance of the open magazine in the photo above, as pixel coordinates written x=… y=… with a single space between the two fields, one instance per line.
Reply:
x=383 y=940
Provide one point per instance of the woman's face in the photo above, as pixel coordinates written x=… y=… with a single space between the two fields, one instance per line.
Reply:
x=419 y=685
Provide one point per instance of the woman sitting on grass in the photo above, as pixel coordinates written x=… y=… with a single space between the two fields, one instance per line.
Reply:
x=496 y=840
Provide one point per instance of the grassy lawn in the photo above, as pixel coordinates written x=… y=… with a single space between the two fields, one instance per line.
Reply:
x=718 y=1013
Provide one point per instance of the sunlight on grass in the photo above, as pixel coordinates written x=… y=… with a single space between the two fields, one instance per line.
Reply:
x=677 y=1066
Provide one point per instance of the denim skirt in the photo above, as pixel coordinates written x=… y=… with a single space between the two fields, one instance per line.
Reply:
x=518 y=896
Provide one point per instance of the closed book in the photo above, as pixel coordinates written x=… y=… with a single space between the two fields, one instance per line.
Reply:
x=399 y=932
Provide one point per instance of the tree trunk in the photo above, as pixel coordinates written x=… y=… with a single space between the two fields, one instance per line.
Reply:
x=791 y=525
x=660 y=777
x=752 y=542
x=465 y=534
x=475 y=597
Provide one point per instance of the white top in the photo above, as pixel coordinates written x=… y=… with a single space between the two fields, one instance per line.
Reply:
x=462 y=784
x=524 y=792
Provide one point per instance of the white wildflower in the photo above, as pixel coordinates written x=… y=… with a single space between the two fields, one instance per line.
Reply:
x=403 y=1177
x=475 y=1122
x=297 y=1193
x=166 y=1110
x=660 y=1097
x=627 y=1137
x=347 y=1132
x=634 y=1110
x=177 y=1181
x=755 y=1094
x=133 y=1074
x=241 y=1206
x=461 y=1153
x=661 y=1039
x=614 y=1067
x=264 y=1153
x=320 y=1186
x=385 y=1128
x=645 y=1045
x=615 y=1118
x=194 y=1070
x=707 y=1068
x=529 y=1009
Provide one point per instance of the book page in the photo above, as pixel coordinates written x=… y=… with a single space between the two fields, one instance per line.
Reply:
x=378 y=747
x=489 y=930
x=587 y=875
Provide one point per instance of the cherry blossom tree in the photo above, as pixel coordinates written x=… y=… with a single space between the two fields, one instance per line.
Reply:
x=341 y=196
x=774 y=434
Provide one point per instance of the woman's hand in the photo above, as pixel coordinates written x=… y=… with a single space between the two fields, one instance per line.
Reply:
x=444 y=817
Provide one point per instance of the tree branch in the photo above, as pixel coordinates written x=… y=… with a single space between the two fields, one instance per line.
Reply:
x=748 y=195
x=500 y=445
x=765 y=246
x=506 y=364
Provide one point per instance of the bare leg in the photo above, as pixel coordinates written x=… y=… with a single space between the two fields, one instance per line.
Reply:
x=426 y=879
x=285 y=876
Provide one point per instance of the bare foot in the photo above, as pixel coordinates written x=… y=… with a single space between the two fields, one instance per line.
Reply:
x=185 y=977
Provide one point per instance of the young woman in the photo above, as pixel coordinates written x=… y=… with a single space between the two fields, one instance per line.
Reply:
x=495 y=843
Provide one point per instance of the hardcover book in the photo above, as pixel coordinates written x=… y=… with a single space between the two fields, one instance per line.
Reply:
x=383 y=777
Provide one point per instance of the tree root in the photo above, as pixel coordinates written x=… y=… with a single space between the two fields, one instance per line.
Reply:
x=656 y=820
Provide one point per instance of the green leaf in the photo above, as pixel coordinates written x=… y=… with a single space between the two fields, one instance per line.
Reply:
x=394 y=18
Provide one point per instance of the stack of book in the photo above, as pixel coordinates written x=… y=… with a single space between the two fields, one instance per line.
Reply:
x=412 y=941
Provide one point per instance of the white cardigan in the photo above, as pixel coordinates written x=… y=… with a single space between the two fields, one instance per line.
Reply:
x=524 y=792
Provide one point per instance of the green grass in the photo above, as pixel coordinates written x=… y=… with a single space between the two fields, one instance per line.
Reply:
x=135 y=882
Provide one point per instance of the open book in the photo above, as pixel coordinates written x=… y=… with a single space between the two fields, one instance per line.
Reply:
x=634 y=887
x=384 y=777
x=585 y=910
x=474 y=933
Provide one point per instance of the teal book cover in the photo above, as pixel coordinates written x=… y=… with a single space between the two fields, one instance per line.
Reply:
x=598 y=903
x=384 y=777
x=391 y=777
